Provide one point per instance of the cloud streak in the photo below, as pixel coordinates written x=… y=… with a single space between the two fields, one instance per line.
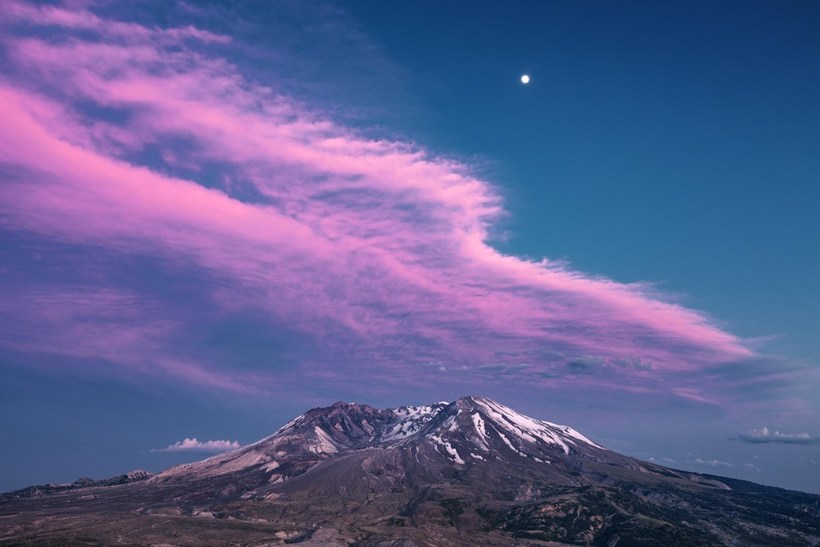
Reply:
x=712 y=463
x=140 y=141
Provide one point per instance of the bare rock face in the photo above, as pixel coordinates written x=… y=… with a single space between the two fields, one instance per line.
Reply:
x=471 y=472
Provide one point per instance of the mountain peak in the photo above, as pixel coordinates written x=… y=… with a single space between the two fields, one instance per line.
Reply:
x=464 y=433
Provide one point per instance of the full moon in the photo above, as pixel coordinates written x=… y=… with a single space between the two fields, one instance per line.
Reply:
x=525 y=79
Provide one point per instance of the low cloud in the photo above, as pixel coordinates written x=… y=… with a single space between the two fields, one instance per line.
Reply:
x=761 y=435
x=194 y=445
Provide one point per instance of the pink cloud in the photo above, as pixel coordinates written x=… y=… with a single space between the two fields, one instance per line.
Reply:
x=376 y=248
x=109 y=325
x=81 y=19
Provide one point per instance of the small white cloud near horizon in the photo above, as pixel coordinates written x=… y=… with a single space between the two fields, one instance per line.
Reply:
x=759 y=435
x=663 y=460
x=711 y=463
x=193 y=445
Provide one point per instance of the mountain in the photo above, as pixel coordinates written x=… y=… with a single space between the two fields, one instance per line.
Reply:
x=82 y=482
x=471 y=472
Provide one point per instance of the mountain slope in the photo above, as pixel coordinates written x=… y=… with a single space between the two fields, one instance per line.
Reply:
x=471 y=472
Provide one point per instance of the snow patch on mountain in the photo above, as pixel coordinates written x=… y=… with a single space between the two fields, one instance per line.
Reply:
x=531 y=429
x=509 y=444
x=448 y=448
x=478 y=424
x=322 y=444
x=409 y=420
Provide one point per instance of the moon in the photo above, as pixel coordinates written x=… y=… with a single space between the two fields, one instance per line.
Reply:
x=525 y=79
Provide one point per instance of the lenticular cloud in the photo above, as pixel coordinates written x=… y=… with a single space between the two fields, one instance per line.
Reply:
x=142 y=143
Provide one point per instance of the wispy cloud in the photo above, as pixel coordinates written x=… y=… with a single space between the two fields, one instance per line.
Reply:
x=140 y=141
x=762 y=435
x=662 y=461
x=193 y=445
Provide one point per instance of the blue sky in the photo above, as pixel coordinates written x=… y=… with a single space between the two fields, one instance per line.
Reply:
x=215 y=217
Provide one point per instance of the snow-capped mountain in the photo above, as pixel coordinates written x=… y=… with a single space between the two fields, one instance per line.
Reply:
x=470 y=472
x=459 y=434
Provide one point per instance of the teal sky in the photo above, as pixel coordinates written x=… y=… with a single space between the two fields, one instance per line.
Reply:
x=674 y=143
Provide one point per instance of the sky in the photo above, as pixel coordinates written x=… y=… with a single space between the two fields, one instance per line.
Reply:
x=216 y=215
